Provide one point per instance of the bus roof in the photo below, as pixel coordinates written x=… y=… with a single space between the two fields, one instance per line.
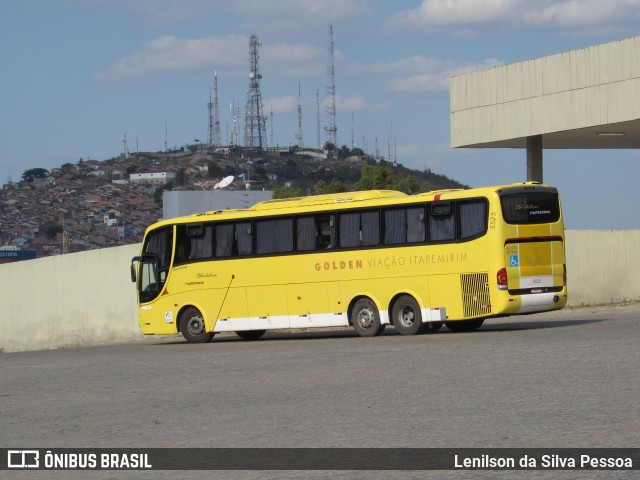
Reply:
x=325 y=202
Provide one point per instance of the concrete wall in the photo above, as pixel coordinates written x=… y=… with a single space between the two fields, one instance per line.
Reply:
x=179 y=203
x=71 y=300
x=603 y=266
x=87 y=298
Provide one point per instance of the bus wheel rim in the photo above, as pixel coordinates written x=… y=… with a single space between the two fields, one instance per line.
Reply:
x=195 y=325
x=366 y=318
x=407 y=316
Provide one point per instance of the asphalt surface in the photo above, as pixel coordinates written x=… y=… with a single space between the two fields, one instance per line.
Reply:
x=564 y=379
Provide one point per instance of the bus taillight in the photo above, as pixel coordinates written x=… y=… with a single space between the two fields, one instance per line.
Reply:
x=502 y=279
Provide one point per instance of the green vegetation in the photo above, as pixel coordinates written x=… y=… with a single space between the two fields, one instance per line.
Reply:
x=284 y=192
x=32 y=173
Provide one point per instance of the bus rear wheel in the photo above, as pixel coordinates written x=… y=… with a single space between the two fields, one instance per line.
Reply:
x=250 y=334
x=365 y=318
x=192 y=326
x=465 y=325
x=407 y=316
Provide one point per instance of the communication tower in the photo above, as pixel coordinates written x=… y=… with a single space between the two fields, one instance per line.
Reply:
x=234 y=114
x=319 y=139
x=299 y=137
x=254 y=128
x=215 y=136
x=271 y=116
x=330 y=127
x=210 y=130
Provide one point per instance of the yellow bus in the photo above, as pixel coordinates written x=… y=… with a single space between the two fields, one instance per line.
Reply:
x=363 y=259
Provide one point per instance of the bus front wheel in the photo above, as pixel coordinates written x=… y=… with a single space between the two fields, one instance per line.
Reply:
x=465 y=325
x=365 y=318
x=406 y=316
x=192 y=327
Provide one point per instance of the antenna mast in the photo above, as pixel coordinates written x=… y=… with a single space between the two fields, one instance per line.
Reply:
x=318 y=118
x=234 y=130
x=299 y=137
x=271 y=115
x=215 y=136
x=254 y=128
x=330 y=127
x=210 y=131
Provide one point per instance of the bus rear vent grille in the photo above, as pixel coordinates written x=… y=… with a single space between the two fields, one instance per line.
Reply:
x=475 y=294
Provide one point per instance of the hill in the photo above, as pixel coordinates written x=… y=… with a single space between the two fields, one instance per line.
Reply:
x=95 y=204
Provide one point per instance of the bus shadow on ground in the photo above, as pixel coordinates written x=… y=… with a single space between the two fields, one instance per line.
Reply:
x=533 y=325
x=346 y=332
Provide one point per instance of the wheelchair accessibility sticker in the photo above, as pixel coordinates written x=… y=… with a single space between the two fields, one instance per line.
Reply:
x=514 y=261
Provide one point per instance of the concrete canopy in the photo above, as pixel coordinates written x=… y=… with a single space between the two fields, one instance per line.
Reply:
x=587 y=98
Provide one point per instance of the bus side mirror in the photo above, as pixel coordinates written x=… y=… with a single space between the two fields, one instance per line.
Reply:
x=134 y=260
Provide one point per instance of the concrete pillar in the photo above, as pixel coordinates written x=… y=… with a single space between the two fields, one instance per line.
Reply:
x=534 y=158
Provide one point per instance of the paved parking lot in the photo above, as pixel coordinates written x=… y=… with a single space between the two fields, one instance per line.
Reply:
x=565 y=379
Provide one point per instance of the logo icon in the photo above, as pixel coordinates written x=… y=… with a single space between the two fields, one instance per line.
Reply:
x=23 y=459
x=514 y=261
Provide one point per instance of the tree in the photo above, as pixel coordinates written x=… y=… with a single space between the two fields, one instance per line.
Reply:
x=283 y=192
x=53 y=229
x=376 y=177
x=344 y=152
x=408 y=185
x=32 y=173
x=322 y=188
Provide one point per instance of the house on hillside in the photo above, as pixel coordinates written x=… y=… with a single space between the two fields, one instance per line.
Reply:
x=155 y=178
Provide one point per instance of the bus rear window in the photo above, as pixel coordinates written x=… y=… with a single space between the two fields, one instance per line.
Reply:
x=530 y=207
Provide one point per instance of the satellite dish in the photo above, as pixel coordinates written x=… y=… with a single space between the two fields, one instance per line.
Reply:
x=226 y=181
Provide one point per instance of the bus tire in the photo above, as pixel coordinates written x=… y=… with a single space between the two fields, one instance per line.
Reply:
x=365 y=318
x=407 y=316
x=465 y=325
x=250 y=334
x=192 y=326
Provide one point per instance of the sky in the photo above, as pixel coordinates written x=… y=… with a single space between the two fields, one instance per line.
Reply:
x=76 y=76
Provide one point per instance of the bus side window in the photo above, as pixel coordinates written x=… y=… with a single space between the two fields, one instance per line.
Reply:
x=472 y=216
x=415 y=225
x=233 y=239
x=243 y=239
x=404 y=225
x=274 y=236
x=326 y=236
x=315 y=233
x=359 y=229
x=224 y=240
x=193 y=242
x=442 y=225
x=395 y=226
